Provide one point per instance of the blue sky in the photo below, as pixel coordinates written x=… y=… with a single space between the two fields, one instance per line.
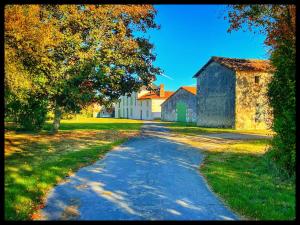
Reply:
x=190 y=35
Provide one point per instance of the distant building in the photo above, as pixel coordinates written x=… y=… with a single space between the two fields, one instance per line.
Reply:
x=232 y=93
x=144 y=105
x=103 y=112
x=180 y=106
x=106 y=112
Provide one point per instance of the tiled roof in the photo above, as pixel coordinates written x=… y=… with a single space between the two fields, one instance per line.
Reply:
x=193 y=90
x=152 y=95
x=190 y=89
x=255 y=65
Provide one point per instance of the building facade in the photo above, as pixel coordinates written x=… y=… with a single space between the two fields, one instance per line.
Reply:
x=232 y=93
x=180 y=106
x=143 y=105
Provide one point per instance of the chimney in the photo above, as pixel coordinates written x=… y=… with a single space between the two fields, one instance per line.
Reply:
x=161 y=91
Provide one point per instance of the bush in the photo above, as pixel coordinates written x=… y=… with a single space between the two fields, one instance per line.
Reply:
x=283 y=101
x=283 y=145
x=29 y=115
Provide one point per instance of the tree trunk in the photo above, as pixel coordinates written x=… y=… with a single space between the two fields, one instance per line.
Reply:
x=57 y=118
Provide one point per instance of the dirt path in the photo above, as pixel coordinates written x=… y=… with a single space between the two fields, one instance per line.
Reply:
x=146 y=178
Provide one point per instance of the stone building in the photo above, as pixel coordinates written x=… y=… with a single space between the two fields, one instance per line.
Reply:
x=232 y=93
x=144 y=105
x=180 y=106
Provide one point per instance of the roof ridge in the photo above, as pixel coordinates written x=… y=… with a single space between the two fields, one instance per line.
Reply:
x=252 y=59
x=191 y=89
x=240 y=64
x=153 y=94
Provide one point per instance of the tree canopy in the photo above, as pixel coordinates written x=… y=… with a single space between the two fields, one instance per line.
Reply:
x=72 y=55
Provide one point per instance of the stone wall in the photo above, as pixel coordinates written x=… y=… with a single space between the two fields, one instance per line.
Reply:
x=216 y=97
x=252 y=109
x=168 y=108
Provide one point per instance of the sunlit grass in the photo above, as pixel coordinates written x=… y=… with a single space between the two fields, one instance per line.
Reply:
x=35 y=162
x=88 y=124
x=193 y=129
x=248 y=186
x=240 y=174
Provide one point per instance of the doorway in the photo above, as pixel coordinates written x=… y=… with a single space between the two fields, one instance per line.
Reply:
x=181 y=111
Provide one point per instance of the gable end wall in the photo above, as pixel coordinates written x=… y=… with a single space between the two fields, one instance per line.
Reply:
x=216 y=96
x=169 y=107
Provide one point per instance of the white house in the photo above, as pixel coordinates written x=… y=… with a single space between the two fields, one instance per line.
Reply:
x=144 y=105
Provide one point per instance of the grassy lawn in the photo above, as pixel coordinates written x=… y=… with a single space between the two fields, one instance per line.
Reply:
x=239 y=173
x=192 y=129
x=35 y=162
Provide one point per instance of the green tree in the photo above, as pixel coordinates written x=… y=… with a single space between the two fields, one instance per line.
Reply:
x=90 y=54
x=278 y=22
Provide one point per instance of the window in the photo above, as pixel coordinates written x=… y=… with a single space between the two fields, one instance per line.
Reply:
x=256 y=79
x=147 y=113
x=147 y=103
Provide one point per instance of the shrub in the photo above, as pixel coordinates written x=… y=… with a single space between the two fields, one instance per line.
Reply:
x=282 y=98
x=29 y=115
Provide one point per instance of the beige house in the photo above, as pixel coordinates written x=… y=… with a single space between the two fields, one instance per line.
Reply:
x=232 y=93
x=144 y=105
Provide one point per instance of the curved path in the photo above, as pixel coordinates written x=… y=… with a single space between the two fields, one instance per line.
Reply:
x=146 y=178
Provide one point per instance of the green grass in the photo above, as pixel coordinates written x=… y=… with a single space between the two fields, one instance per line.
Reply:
x=248 y=186
x=192 y=129
x=34 y=163
x=242 y=176
x=99 y=124
x=89 y=124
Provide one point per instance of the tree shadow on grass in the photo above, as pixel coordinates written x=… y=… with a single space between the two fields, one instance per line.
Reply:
x=29 y=176
x=37 y=162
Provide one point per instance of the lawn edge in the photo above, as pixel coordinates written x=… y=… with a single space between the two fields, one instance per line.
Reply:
x=43 y=198
x=219 y=197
